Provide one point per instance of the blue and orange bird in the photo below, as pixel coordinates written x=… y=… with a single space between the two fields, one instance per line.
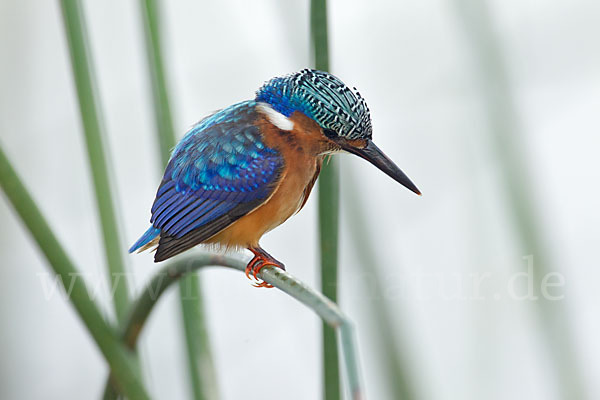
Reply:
x=246 y=169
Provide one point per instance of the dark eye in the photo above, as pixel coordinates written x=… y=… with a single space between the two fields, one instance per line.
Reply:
x=330 y=133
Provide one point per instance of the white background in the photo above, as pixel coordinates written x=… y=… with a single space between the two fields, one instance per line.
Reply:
x=415 y=67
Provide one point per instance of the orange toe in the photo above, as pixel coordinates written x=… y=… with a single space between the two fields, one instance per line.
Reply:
x=260 y=260
x=251 y=265
x=262 y=284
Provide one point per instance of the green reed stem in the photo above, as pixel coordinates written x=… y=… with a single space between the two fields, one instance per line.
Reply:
x=83 y=73
x=328 y=213
x=121 y=361
x=388 y=343
x=505 y=133
x=162 y=108
x=202 y=374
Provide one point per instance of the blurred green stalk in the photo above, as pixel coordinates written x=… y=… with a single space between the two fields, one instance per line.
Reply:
x=388 y=343
x=328 y=213
x=162 y=108
x=121 y=361
x=505 y=131
x=83 y=73
x=201 y=369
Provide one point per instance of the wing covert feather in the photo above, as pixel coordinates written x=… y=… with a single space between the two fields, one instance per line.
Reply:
x=219 y=172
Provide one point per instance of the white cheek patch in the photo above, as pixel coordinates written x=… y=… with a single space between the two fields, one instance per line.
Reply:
x=276 y=118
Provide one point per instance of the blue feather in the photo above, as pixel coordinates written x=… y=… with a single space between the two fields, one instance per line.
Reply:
x=151 y=234
x=220 y=164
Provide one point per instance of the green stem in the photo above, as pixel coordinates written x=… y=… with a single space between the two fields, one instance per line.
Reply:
x=328 y=213
x=202 y=374
x=319 y=36
x=505 y=131
x=162 y=107
x=201 y=367
x=325 y=308
x=389 y=344
x=120 y=360
x=83 y=73
x=328 y=236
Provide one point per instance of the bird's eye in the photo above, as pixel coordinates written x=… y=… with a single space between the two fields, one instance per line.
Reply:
x=330 y=133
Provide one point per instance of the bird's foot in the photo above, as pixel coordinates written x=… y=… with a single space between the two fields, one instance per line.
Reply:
x=261 y=259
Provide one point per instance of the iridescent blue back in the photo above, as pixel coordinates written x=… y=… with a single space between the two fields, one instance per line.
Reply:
x=220 y=171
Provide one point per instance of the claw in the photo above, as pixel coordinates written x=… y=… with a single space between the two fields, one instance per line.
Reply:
x=255 y=271
x=260 y=260
x=262 y=284
x=251 y=266
x=262 y=265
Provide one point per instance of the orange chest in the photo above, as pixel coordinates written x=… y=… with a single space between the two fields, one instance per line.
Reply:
x=300 y=149
x=288 y=198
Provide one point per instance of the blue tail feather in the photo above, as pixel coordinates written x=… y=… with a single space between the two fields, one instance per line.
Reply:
x=146 y=238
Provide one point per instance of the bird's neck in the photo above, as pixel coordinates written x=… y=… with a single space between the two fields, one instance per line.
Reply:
x=297 y=132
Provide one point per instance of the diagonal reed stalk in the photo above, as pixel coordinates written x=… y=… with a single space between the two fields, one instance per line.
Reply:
x=201 y=370
x=325 y=308
x=83 y=73
x=328 y=213
x=122 y=362
x=505 y=131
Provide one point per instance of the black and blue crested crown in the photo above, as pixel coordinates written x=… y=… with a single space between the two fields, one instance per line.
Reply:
x=322 y=97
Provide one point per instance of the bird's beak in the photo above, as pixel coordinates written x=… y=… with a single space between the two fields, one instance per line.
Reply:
x=372 y=154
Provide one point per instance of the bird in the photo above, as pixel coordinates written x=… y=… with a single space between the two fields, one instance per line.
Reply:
x=245 y=169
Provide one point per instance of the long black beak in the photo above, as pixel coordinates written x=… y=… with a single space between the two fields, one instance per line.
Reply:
x=372 y=154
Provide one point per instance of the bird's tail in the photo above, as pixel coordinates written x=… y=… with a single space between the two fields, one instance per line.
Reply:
x=147 y=239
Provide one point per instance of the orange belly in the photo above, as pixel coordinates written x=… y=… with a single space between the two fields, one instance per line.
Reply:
x=301 y=149
x=286 y=200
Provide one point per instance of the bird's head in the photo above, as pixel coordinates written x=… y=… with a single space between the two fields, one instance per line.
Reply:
x=341 y=113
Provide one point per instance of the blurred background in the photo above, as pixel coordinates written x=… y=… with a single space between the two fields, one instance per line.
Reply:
x=486 y=282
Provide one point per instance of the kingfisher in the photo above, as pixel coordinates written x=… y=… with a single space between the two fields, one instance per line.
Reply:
x=246 y=169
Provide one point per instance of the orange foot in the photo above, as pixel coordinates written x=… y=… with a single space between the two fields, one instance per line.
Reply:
x=261 y=259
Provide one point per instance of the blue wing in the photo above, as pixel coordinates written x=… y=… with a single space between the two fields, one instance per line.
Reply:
x=220 y=171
